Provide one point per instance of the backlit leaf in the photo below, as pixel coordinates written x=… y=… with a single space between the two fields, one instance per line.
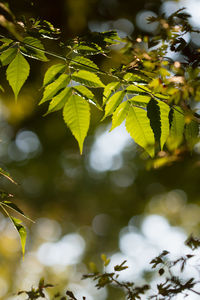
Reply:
x=138 y=125
x=76 y=114
x=164 y=117
x=177 y=128
x=32 y=50
x=83 y=63
x=87 y=78
x=139 y=89
x=109 y=89
x=52 y=73
x=113 y=102
x=84 y=92
x=120 y=114
x=53 y=88
x=59 y=100
x=17 y=73
x=135 y=77
x=7 y=56
x=141 y=99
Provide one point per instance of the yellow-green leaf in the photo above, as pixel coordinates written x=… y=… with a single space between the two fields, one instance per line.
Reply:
x=177 y=128
x=53 y=88
x=164 y=117
x=84 y=92
x=83 y=63
x=33 y=50
x=135 y=77
x=52 y=73
x=141 y=99
x=114 y=102
x=138 y=125
x=17 y=73
x=109 y=89
x=120 y=114
x=59 y=100
x=7 y=56
x=76 y=114
x=87 y=78
x=137 y=89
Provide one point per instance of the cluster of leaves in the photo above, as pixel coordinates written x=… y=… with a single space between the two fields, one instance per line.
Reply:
x=151 y=93
x=168 y=287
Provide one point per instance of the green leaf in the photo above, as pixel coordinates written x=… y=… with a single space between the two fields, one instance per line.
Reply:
x=135 y=77
x=192 y=134
x=141 y=99
x=17 y=73
x=138 y=125
x=7 y=56
x=52 y=73
x=33 y=52
x=83 y=63
x=87 y=78
x=113 y=102
x=59 y=100
x=177 y=128
x=84 y=92
x=76 y=114
x=120 y=114
x=22 y=232
x=139 y=89
x=164 y=117
x=109 y=89
x=87 y=49
x=53 y=88
x=153 y=113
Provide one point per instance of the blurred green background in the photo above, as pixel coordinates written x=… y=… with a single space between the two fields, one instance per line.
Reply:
x=105 y=201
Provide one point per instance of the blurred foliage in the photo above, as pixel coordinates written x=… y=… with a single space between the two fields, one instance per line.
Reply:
x=169 y=287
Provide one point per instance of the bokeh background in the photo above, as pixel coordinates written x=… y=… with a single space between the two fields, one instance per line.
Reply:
x=105 y=201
